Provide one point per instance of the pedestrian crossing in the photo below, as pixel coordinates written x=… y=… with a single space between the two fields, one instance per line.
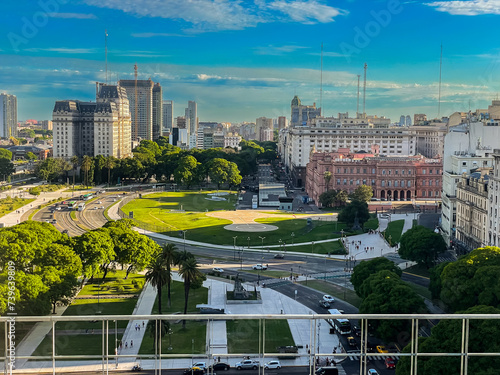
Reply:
x=371 y=357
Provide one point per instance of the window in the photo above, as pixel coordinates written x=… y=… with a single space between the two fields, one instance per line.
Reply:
x=423 y=171
x=423 y=193
x=409 y=183
x=383 y=171
x=383 y=183
x=351 y=182
x=389 y=183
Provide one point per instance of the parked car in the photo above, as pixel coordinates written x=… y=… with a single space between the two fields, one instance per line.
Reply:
x=220 y=366
x=279 y=256
x=272 y=365
x=389 y=363
x=194 y=371
x=260 y=267
x=330 y=370
x=247 y=364
x=217 y=269
x=324 y=304
x=372 y=372
x=202 y=365
x=328 y=298
x=351 y=341
x=382 y=349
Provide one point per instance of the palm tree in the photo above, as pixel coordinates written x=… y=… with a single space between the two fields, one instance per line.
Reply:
x=86 y=165
x=158 y=331
x=74 y=161
x=189 y=271
x=110 y=164
x=327 y=176
x=169 y=254
x=157 y=275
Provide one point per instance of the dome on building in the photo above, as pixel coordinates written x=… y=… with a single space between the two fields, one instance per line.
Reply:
x=295 y=101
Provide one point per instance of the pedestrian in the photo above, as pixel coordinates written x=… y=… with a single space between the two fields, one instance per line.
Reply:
x=126 y=344
x=131 y=343
x=334 y=349
x=327 y=362
x=121 y=344
x=143 y=324
x=139 y=328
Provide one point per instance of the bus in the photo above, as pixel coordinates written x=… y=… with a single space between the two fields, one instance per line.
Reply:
x=81 y=206
x=342 y=326
x=72 y=205
x=86 y=197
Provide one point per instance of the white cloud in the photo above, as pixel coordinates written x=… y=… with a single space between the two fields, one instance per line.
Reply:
x=62 y=50
x=81 y=16
x=467 y=7
x=213 y=15
x=277 y=50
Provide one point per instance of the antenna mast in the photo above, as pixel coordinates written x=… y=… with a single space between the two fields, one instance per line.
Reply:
x=364 y=91
x=357 y=102
x=136 y=99
x=321 y=81
x=106 y=53
x=439 y=92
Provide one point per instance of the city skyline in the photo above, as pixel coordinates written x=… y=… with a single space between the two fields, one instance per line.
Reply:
x=244 y=60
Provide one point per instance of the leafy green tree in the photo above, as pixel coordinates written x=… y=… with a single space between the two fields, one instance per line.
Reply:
x=446 y=337
x=435 y=284
x=385 y=293
x=27 y=133
x=218 y=171
x=472 y=279
x=333 y=198
x=191 y=274
x=86 y=167
x=421 y=245
x=367 y=268
x=363 y=193
x=157 y=276
x=30 y=156
x=109 y=163
x=34 y=191
x=74 y=161
x=5 y=154
x=6 y=168
x=233 y=175
x=185 y=173
x=355 y=209
x=327 y=176
x=96 y=250
x=51 y=169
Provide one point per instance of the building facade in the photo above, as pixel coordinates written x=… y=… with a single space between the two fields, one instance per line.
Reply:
x=8 y=115
x=157 y=111
x=93 y=128
x=494 y=201
x=391 y=178
x=46 y=124
x=168 y=114
x=301 y=114
x=141 y=108
x=472 y=210
x=264 y=129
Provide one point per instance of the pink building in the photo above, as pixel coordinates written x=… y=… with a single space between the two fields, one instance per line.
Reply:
x=391 y=177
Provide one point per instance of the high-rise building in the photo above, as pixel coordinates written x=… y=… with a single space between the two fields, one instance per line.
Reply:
x=402 y=120
x=141 y=110
x=45 y=124
x=264 y=129
x=408 y=120
x=168 y=114
x=282 y=122
x=157 y=111
x=8 y=115
x=192 y=115
x=93 y=128
x=301 y=114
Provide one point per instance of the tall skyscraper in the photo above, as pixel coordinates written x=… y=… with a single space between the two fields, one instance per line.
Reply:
x=141 y=110
x=264 y=129
x=93 y=128
x=192 y=115
x=402 y=120
x=168 y=114
x=157 y=111
x=8 y=115
x=282 y=122
x=408 y=120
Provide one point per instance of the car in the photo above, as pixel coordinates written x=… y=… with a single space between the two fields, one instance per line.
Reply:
x=260 y=267
x=351 y=341
x=202 y=365
x=330 y=370
x=279 y=256
x=324 y=304
x=217 y=269
x=389 y=363
x=220 y=366
x=328 y=298
x=58 y=208
x=99 y=202
x=382 y=349
x=247 y=364
x=372 y=372
x=194 y=371
x=102 y=207
x=272 y=365
x=356 y=330
x=95 y=208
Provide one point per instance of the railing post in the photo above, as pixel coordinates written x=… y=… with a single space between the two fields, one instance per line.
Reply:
x=53 y=347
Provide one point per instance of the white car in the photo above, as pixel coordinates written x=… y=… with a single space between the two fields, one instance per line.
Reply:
x=217 y=269
x=98 y=202
x=272 y=365
x=260 y=267
x=328 y=298
x=372 y=372
x=202 y=365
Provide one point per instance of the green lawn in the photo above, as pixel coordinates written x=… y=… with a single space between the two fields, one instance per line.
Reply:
x=394 y=229
x=334 y=247
x=9 y=204
x=243 y=335
x=114 y=284
x=335 y=290
x=83 y=344
x=196 y=296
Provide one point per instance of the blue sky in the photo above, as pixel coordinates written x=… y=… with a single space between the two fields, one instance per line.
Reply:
x=240 y=60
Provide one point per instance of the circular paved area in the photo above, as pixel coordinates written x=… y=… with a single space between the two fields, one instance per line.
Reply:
x=255 y=227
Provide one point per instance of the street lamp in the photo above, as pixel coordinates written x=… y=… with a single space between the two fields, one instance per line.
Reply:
x=170 y=339
x=184 y=234
x=262 y=238
x=291 y=273
x=292 y=235
x=248 y=239
x=312 y=247
x=234 y=247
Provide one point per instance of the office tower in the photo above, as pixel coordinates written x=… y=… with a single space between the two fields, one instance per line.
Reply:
x=301 y=114
x=157 y=111
x=264 y=129
x=192 y=116
x=8 y=115
x=141 y=110
x=168 y=114
x=402 y=120
x=282 y=122
x=93 y=128
x=46 y=124
x=408 y=120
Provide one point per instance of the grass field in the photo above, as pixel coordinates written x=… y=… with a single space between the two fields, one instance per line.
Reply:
x=114 y=284
x=243 y=336
x=394 y=229
x=334 y=247
x=9 y=204
x=334 y=290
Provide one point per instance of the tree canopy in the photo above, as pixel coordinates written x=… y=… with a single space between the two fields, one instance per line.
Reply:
x=369 y=267
x=421 y=245
x=355 y=209
x=363 y=193
x=333 y=198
